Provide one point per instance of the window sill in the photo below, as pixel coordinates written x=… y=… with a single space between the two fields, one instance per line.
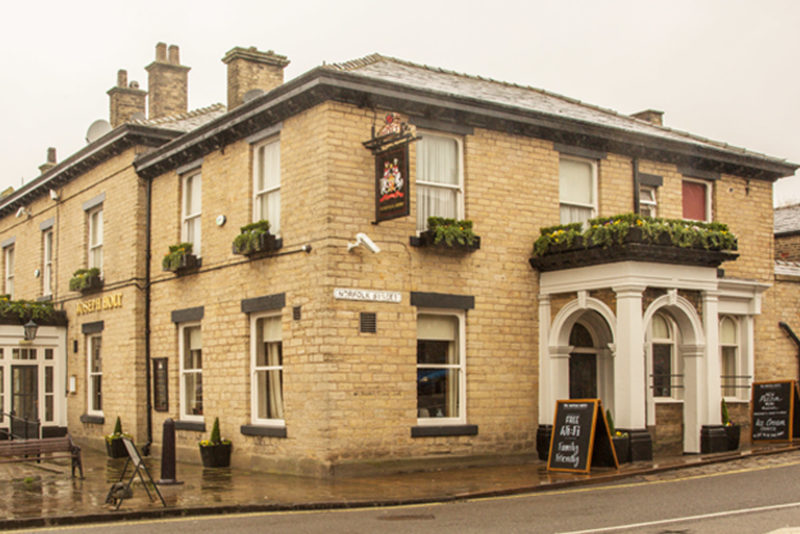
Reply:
x=666 y=400
x=261 y=430
x=429 y=431
x=93 y=419
x=190 y=425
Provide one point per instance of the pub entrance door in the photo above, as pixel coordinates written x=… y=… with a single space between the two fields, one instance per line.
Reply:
x=25 y=399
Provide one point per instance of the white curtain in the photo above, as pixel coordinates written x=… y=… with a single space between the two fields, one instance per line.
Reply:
x=269 y=369
x=576 y=191
x=437 y=167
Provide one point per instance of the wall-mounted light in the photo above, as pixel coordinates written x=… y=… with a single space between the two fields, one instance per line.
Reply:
x=29 y=330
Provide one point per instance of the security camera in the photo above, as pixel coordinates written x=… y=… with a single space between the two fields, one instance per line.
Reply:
x=22 y=211
x=54 y=194
x=363 y=239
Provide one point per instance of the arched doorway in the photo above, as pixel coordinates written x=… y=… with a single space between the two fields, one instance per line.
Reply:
x=582 y=364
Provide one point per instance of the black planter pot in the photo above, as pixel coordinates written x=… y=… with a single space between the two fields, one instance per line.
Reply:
x=216 y=455
x=116 y=448
x=733 y=432
x=622 y=445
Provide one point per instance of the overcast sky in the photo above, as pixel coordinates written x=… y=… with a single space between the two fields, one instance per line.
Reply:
x=726 y=70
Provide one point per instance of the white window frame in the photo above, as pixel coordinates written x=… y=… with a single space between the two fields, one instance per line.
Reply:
x=737 y=357
x=421 y=185
x=255 y=369
x=183 y=408
x=593 y=206
x=676 y=393
x=274 y=222
x=461 y=367
x=95 y=248
x=8 y=268
x=650 y=203
x=192 y=219
x=90 y=374
x=708 y=186
x=47 y=262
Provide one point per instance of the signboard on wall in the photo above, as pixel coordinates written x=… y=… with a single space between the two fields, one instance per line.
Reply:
x=391 y=183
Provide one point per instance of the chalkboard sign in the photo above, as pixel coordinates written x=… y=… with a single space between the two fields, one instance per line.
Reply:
x=580 y=437
x=773 y=414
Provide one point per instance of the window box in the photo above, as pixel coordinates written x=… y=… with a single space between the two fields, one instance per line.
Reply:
x=86 y=280
x=180 y=259
x=448 y=234
x=633 y=237
x=255 y=239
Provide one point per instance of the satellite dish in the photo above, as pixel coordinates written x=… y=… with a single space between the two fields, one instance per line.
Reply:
x=97 y=129
x=252 y=94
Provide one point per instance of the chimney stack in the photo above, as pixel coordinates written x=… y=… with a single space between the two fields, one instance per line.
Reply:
x=650 y=115
x=167 y=83
x=51 y=161
x=125 y=100
x=250 y=69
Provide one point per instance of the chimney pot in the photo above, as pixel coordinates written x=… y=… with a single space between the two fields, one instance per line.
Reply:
x=161 y=52
x=122 y=78
x=134 y=84
x=174 y=55
x=51 y=154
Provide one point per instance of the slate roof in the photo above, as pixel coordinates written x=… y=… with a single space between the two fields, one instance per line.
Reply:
x=399 y=71
x=787 y=219
x=186 y=122
x=787 y=268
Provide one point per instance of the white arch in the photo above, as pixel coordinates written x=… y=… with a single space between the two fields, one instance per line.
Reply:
x=690 y=350
x=689 y=322
x=567 y=316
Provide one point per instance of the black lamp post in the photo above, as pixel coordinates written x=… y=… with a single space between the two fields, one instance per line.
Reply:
x=30 y=329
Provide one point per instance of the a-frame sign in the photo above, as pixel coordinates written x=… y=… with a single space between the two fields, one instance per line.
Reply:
x=580 y=438
x=774 y=415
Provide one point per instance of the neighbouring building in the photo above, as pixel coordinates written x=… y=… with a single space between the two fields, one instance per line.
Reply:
x=358 y=334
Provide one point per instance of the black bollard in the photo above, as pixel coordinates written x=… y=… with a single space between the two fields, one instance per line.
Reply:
x=168 y=454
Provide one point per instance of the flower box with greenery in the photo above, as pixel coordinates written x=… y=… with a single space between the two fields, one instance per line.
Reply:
x=115 y=448
x=215 y=452
x=22 y=311
x=255 y=239
x=630 y=237
x=86 y=280
x=180 y=258
x=621 y=440
x=731 y=429
x=448 y=234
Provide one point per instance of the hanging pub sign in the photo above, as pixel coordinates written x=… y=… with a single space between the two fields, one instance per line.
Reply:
x=390 y=148
x=774 y=413
x=580 y=437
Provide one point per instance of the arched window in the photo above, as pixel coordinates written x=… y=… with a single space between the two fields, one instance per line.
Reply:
x=729 y=354
x=665 y=368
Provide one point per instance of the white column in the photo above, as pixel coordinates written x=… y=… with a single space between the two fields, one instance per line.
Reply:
x=629 y=367
x=693 y=386
x=712 y=394
x=546 y=404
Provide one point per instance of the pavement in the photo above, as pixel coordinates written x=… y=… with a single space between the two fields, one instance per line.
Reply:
x=45 y=494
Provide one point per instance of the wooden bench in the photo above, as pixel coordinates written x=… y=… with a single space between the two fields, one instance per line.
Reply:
x=29 y=450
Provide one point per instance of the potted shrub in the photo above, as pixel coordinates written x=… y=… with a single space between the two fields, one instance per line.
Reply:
x=731 y=429
x=216 y=452
x=114 y=445
x=86 y=280
x=179 y=258
x=621 y=440
x=255 y=238
x=448 y=233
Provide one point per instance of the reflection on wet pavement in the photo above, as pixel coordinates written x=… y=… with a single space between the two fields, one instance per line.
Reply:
x=47 y=491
